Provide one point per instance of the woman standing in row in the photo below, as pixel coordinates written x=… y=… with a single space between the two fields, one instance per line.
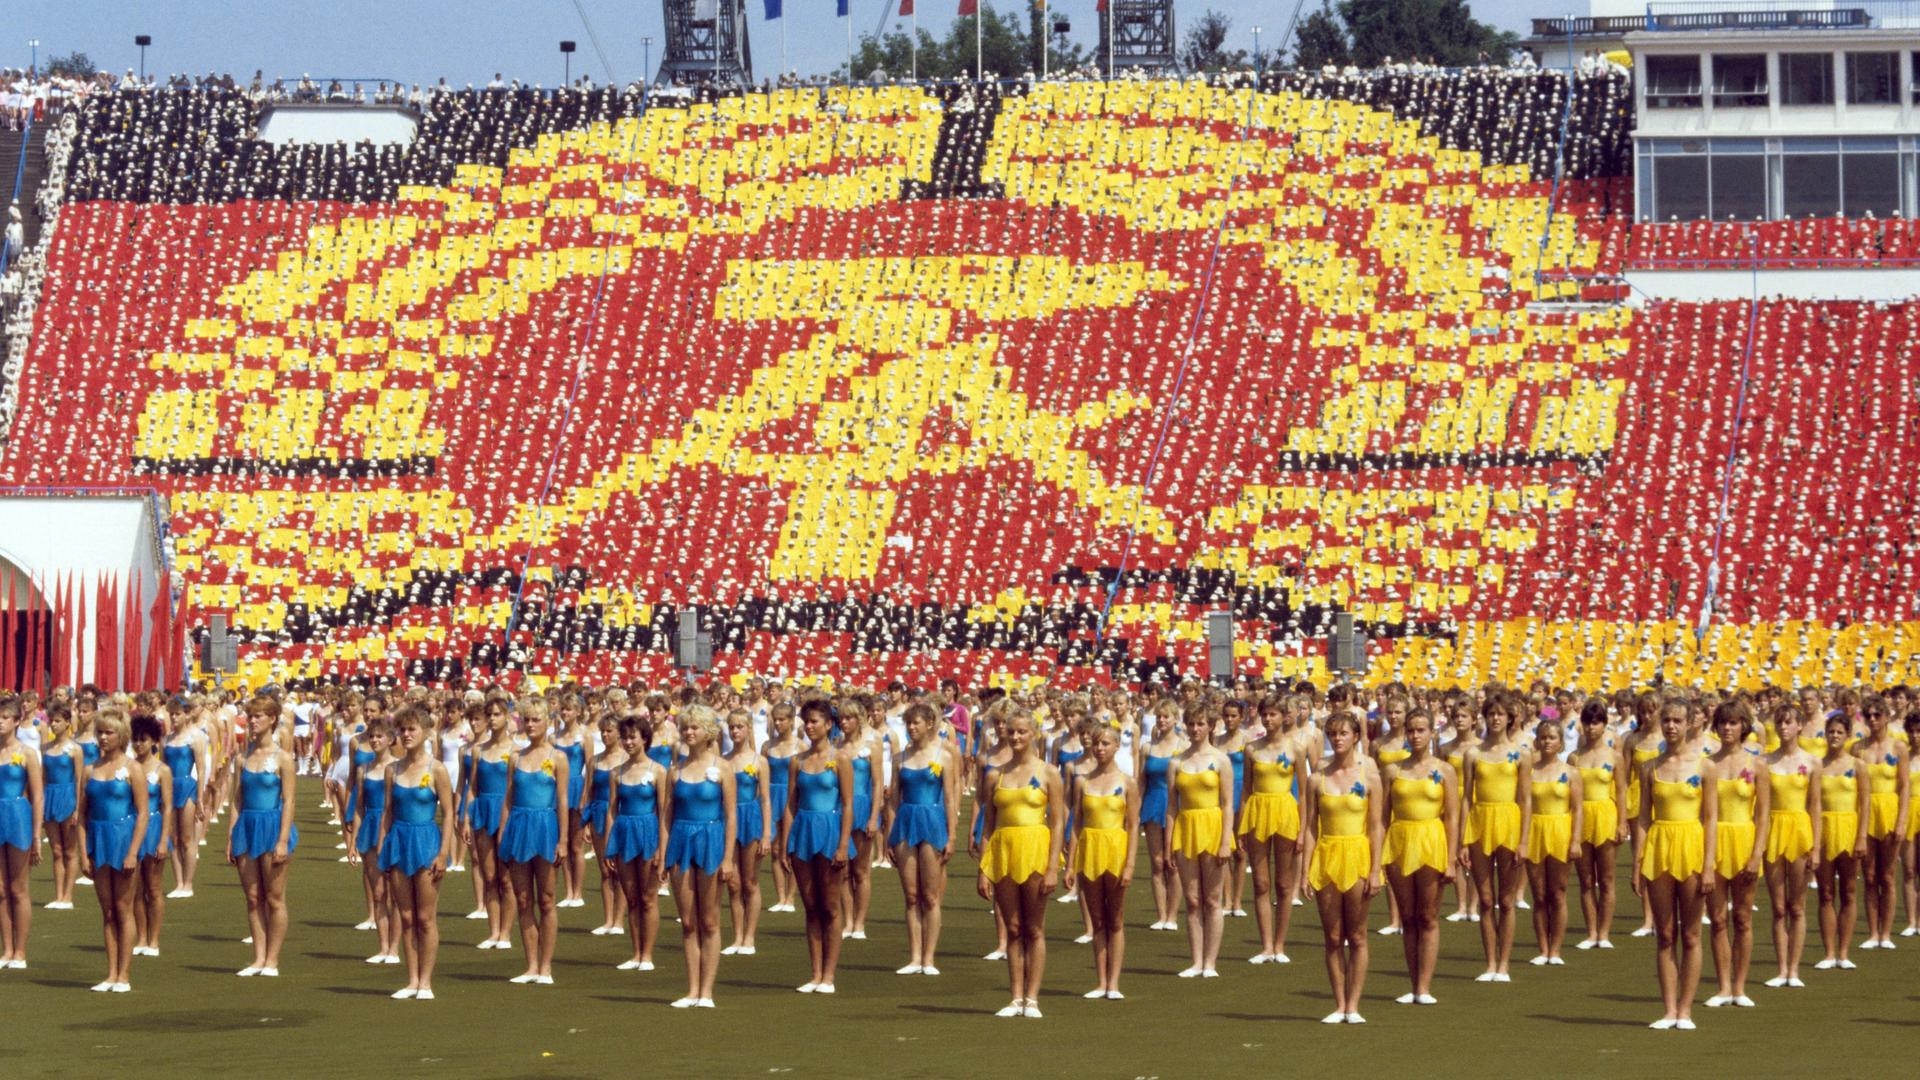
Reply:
x=1279 y=763
x=782 y=747
x=113 y=803
x=569 y=736
x=263 y=838
x=417 y=833
x=924 y=799
x=1155 y=780
x=1844 y=813
x=608 y=758
x=1106 y=841
x=1021 y=864
x=150 y=897
x=1202 y=838
x=1603 y=785
x=1679 y=824
x=636 y=832
x=535 y=805
x=490 y=771
x=1553 y=838
x=1885 y=759
x=700 y=836
x=1233 y=741
x=752 y=834
x=1742 y=801
x=1345 y=818
x=1494 y=774
x=1422 y=840
x=61 y=763
x=815 y=833
x=21 y=793
x=189 y=759
x=866 y=743
x=370 y=804
x=1793 y=835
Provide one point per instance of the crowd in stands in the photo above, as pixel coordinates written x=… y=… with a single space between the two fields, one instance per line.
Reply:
x=895 y=381
x=1805 y=243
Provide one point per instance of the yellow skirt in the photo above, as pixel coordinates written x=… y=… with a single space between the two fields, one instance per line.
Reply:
x=1913 y=820
x=1101 y=851
x=1340 y=861
x=1416 y=845
x=1552 y=837
x=1837 y=829
x=1269 y=814
x=1732 y=846
x=1599 y=822
x=1883 y=812
x=1197 y=832
x=1016 y=852
x=1676 y=849
x=1789 y=835
x=1493 y=826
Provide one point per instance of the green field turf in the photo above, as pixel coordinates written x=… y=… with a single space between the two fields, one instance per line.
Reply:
x=329 y=1014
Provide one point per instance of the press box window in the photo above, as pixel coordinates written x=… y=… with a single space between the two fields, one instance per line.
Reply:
x=1739 y=82
x=1806 y=78
x=1873 y=78
x=1673 y=82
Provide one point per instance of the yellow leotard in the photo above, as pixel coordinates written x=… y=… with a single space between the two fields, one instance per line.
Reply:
x=1789 y=829
x=1417 y=839
x=1342 y=853
x=1599 y=814
x=1735 y=835
x=1197 y=829
x=1814 y=744
x=1551 y=827
x=1394 y=756
x=1642 y=754
x=1494 y=821
x=1270 y=809
x=1103 y=836
x=1021 y=840
x=1676 y=844
x=1839 y=813
x=1913 y=783
x=1883 y=797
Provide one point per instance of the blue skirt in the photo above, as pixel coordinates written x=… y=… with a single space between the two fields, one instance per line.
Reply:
x=696 y=843
x=1153 y=807
x=483 y=813
x=411 y=847
x=919 y=823
x=633 y=836
x=16 y=824
x=256 y=831
x=108 y=841
x=777 y=801
x=594 y=814
x=815 y=834
x=862 y=810
x=150 y=843
x=746 y=827
x=368 y=835
x=184 y=790
x=58 y=801
x=530 y=834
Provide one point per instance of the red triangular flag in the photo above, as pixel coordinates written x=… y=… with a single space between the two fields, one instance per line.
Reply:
x=177 y=645
x=80 y=632
x=906 y=8
x=132 y=633
x=35 y=664
x=6 y=631
x=62 y=644
x=106 y=653
x=969 y=7
x=157 y=638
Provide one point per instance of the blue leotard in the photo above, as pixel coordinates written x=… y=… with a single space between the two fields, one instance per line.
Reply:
x=778 y=769
x=533 y=820
x=184 y=761
x=156 y=817
x=746 y=807
x=816 y=818
x=16 y=812
x=58 y=793
x=594 y=813
x=361 y=759
x=373 y=801
x=862 y=790
x=636 y=822
x=413 y=840
x=256 y=827
x=576 y=774
x=698 y=835
x=487 y=794
x=922 y=816
x=109 y=822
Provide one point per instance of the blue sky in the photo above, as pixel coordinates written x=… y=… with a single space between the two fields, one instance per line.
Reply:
x=469 y=40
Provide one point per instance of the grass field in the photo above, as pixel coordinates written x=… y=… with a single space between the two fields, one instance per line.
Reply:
x=329 y=1014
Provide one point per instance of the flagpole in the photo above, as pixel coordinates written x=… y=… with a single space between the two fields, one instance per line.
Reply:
x=849 y=44
x=783 y=42
x=979 y=63
x=1045 y=28
x=913 y=45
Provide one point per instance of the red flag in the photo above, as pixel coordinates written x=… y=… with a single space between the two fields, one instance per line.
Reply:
x=6 y=632
x=58 y=627
x=132 y=633
x=35 y=665
x=969 y=7
x=106 y=654
x=80 y=631
x=906 y=8
x=158 y=635
x=177 y=645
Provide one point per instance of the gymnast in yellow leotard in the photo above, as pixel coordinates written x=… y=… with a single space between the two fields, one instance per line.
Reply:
x=1679 y=850
x=1603 y=786
x=1888 y=806
x=1736 y=775
x=1910 y=846
x=1279 y=764
x=1201 y=838
x=1020 y=865
x=1553 y=838
x=1641 y=746
x=1495 y=824
x=1106 y=840
x=1422 y=848
x=1792 y=838
x=1344 y=818
x=1465 y=724
x=1843 y=841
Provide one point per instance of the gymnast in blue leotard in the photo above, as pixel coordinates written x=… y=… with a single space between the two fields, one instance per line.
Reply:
x=753 y=830
x=61 y=764
x=263 y=838
x=20 y=795
x=536 y=805
x=416 y=840
x=924 y=798
x=815 y=833
x=1156 y=771
x=608 y=758
x=782 y=747
x=637 y=838
x=188 y=761
x=489 y=764
x=700 y=834
x=370 y=809
x=113 y=802
x=150 y=898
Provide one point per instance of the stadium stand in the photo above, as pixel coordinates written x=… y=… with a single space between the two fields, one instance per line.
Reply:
x=1000 y=382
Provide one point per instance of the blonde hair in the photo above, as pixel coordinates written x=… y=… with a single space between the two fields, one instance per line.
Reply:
x=113 y=718
x=702 y=717
x=745 y=718
x=532 y=707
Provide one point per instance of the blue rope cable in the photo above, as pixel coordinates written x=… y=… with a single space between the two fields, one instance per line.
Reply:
x=1733 y=443
x=1179 y=384
x=1559 y=170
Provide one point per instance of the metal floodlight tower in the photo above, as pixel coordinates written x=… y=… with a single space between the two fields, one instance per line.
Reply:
x=1137 y=34
x=706 y=42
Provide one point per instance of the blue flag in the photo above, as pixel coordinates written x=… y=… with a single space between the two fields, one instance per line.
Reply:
x=840 y=8
x=773 y=9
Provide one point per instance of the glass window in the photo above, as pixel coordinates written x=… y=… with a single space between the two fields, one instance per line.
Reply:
x=1871 y=184
x=1740 y=81
x=1806 y=78
x=1810 y=185
x=1673 y=82
x=1739 y=187
x=1872 y=78
x=1680 y=188
x=1913 y=65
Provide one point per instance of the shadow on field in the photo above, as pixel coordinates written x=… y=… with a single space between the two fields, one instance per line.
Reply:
x=630 y=999
x=945 y=1010
x=1628 y=999
x=1885 y=1021
x=1585 y=1021
x=62 y=984
x=1267 y=1017
x=202 y=1020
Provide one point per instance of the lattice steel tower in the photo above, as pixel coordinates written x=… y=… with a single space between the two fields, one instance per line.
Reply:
x=706 y=42
x=1136 y=34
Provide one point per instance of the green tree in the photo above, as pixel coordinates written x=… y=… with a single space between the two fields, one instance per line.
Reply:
x=1205 y=47
x=1005 y=50
x=1320 y=40
x=1438 y=31
x=74 y=65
